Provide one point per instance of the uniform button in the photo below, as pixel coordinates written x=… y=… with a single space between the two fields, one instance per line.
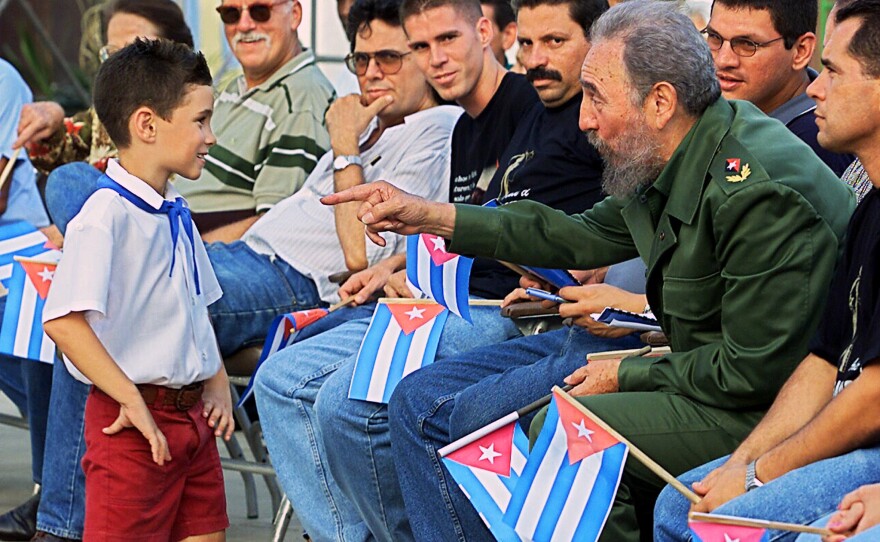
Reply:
x=643 y=199
x=204 y=355
x=662 y=235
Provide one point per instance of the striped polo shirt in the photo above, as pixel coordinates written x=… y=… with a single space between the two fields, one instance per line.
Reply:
x=269 y=139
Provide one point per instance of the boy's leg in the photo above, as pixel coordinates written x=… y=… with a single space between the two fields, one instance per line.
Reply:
x=38 y=383
x=62 y=506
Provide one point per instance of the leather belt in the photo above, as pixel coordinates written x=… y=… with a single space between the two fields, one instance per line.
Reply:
x=182 y=399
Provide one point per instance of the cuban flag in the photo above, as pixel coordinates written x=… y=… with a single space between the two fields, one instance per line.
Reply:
x=282 y=332
x=568 y=484
x=21 y=333
x=716 y=532
x=487 y=469
x=402 y=337
x=443 y=276
x=19 y=239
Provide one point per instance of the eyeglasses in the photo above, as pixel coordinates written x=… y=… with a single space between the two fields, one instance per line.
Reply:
x=260 y=12
x=389 y=62
x=740 y=46
x=105 y=52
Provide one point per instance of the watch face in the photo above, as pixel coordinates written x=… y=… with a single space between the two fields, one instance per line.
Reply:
x=340 y=162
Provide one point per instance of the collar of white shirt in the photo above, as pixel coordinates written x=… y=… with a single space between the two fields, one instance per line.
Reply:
x=138 y=186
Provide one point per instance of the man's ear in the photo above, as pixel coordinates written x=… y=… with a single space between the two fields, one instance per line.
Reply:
x=660 y=105
x=802 y=51
x=485 y=31
x=509 y=34
x=142 y=124
x=296 y=15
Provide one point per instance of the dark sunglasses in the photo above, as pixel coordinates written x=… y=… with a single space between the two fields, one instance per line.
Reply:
x=260 y=12
x=389 y=62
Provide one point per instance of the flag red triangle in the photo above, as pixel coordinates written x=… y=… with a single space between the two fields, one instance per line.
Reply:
x=584 y=436
x=714 y=532
x=412 y=316
x=436 y=246
x=41 y=275
x=491 y=453
x=303 y=318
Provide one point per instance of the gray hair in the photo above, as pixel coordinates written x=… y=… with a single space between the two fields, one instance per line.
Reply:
x=661 y=44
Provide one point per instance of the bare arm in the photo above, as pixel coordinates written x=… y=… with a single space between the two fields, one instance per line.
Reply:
x=75 y=337
x=230 y=232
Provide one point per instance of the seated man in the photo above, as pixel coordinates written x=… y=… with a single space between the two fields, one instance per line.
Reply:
x=316 y=435
x=762 y=51
x=722 y=242
x=500 y=13
x=818 y=441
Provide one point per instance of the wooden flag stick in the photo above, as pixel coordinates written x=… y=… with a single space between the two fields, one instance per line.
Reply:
x=758 y=523
x=344 y=302
x=10 y=165
x=408 y=300
x=614 y=354
x=640 y=455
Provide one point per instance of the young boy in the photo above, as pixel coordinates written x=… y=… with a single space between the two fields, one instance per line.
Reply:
x=128 y=308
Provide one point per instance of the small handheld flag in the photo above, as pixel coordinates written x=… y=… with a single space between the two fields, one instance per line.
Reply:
x=441 y=275
x=721 y=528
x=403 y=336
x=21 y=333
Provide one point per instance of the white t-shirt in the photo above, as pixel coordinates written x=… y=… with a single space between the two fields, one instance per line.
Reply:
x=115 y=268
x=414 y=156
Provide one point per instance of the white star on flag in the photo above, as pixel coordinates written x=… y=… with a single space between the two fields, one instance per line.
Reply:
x=415 y=313
x=439 y=244
x=45 y=274
x=583 y=431
x=489 y=453
x=731 y=166
x=728 y=539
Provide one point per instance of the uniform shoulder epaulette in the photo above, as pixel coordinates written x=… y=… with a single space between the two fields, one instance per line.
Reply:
x=734 y=167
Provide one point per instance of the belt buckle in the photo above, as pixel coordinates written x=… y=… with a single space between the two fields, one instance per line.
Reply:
x=179 y=403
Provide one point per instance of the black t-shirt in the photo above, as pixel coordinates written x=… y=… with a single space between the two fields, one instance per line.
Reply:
x=849 y=333
x=477 y=143
x=549 y=160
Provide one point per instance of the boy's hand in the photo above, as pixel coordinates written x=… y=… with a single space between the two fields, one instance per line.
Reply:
x=138 y=416
x=218 y=405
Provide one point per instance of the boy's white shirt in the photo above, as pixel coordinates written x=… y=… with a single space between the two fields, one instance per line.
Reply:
x=115 y=269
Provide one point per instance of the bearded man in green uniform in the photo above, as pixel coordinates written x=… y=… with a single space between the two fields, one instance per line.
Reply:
x=738 y=221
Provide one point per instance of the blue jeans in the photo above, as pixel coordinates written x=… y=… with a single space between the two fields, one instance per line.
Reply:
x=62 y=504
x=447 y=400
x=801 y=496
x=332 y=454
x=256 y=289
x=67 y=189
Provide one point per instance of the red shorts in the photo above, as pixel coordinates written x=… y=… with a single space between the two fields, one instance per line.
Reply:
x=129 y=497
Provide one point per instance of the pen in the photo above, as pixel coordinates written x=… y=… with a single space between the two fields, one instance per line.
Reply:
x=541 y=294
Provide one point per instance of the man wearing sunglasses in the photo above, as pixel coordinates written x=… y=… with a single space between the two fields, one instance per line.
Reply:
x=269 y=122
x=762 y=50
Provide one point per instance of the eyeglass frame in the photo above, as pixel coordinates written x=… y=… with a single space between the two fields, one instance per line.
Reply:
x=247 y=7
x=752 y=44
x=349 y=61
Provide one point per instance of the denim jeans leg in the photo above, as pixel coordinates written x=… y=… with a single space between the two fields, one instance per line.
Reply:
x=62 y=505
x=67 y=189
x=38 y=383
x=801 y=496
x=286 y=387
x=671 y=509
x=449 y=399
x=12 y=382
x=356 y=437
x=256 y=289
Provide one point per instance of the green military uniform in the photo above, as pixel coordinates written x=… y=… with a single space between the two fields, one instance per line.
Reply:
x=740 y=233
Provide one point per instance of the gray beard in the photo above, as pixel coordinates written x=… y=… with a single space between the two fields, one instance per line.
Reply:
x=636 y=167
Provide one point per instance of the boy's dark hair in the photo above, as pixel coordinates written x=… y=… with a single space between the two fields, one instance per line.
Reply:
x=791 y=18
x=469 y=9
x=164 y=14
x=503 y=12
x=583 y=12
x=865 y=43
x=363 y=12
x=152 y=73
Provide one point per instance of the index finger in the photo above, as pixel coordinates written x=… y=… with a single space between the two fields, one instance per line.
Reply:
x=361 y=192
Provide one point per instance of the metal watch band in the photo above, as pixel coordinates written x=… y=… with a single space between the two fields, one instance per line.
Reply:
x=752 y=481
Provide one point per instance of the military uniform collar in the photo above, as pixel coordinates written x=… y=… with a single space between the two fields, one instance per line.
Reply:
x=295 y=64
x=684 y=176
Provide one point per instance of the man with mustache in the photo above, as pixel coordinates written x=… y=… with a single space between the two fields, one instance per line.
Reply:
x=269 y=122
x=739 y=227
x=762 y=50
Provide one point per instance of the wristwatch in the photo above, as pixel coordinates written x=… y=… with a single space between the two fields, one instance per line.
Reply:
x=752 y=481
x=344 y=160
